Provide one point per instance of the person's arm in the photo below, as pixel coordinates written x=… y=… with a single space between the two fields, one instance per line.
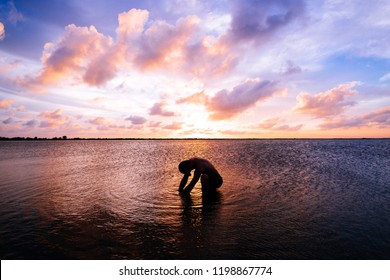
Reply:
x=191 y=185
x=183 y=182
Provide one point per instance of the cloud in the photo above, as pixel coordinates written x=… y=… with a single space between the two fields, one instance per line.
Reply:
x=8 y=121
x=6 y=103
x=385 y=77
x=97 y=100
x=158 y=109
x=325 y=104
x=31 y=123
x=53 y=119
x=258 y=20
x=173 y=46
x=291 y=68
x=197 y=98
x=104 y=124
x=379 y=119
x=14 y=16
x=85 y=54
x=2 y=31
x=273 y=124
x=9 y=66
x=71 y=56
x=226 y=104
x=173 y=126
x=136 y=120
x=99 y=121
x=164 y=43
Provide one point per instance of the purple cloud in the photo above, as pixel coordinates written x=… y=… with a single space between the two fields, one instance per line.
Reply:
x=158 y=109
x=31 y=123
x=8 y=121
x=228 y=103
x=136 y=120
x=258 y=20
x=379 y=119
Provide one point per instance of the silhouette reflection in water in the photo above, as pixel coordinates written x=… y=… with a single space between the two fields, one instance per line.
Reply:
x=200 y=225
x=204 y=170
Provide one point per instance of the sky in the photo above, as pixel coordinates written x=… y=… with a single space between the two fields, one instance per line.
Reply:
x=195 y=68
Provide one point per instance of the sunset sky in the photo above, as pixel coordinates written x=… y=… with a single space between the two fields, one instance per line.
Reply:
x=195 y=68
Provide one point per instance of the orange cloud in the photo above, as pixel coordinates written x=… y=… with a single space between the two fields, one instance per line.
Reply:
x=53 y=119
x=6 y=103
x=173 y=126
x=329 y=103
x=197 y=98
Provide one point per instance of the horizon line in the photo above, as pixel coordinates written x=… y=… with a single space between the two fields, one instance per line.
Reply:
x=64 y=138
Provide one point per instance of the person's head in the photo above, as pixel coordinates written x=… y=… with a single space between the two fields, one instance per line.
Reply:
x=184 y=167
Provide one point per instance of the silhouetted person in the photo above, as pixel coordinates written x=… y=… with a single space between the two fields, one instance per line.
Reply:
x=209 y=176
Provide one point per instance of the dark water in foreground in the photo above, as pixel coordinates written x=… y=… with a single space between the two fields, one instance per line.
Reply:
x=281 y=199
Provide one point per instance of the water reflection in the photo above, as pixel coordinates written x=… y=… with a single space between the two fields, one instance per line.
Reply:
x=119 y=200
x=200 y=219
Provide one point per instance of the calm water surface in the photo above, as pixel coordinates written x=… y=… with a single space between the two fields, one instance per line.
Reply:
x=281 y=199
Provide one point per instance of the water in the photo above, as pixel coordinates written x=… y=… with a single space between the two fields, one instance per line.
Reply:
x=281 y=199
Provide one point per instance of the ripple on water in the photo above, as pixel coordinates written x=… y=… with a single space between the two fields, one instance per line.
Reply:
x=292 y=199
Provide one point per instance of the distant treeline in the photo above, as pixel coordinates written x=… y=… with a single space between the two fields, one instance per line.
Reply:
x=97 y=138
x=132 y=138
x=53 y=138
x=59 y=138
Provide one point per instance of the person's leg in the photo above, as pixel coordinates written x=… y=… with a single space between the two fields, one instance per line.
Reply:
x=207 y=185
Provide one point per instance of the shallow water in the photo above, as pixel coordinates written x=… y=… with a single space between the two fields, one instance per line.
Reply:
x=112 y=199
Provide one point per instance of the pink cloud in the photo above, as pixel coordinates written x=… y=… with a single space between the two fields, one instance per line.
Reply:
x=226 y=104
x=163 y=44
x=378 y=119
x=53 y=119
x=173 y=126
x=99 y=121
x=131 y=23
x=70 y=56
x=158 y=109
x=274 y=124
x=329 y=103
x=85 y=54
x=6 y=103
